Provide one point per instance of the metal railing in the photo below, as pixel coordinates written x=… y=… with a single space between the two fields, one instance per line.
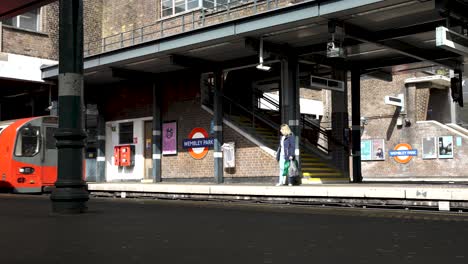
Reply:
x=310 y=128
x=213 y=13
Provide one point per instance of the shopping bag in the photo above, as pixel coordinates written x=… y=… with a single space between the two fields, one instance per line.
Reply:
x=293 y=171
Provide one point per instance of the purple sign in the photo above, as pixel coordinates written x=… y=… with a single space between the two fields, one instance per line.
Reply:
x=169 y=138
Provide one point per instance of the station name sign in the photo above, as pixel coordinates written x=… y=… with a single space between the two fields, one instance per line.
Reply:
x=406 y=152
x=198 y=143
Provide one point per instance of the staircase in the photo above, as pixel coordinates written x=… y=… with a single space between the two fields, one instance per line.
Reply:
x=314 y=169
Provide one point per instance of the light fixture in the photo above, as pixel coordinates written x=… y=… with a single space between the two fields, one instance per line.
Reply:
x=260 y=66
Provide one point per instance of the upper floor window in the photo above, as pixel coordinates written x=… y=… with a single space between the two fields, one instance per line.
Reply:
x=29 y=20
x=174 y=7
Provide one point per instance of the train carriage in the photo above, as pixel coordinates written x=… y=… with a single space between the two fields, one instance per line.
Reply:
x=28 y=155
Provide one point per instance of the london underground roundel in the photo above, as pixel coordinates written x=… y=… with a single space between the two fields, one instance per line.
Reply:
x=403 y=153
x=199 y=152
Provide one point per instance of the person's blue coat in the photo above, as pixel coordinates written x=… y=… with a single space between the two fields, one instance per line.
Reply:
x=289 y=147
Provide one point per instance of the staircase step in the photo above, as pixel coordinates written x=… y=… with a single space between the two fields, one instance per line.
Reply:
x=321 y=174
x=314 y=170
x=313 y=164
x=316 y=180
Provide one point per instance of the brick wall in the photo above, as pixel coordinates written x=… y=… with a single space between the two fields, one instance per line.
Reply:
x=123 y=15
x=44 y=44
x=182 y=103
x=382 y=124
x=92 y=20
x=35 y=44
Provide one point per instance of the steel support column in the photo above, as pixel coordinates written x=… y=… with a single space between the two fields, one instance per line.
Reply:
x=356 y=123
x=70 y=194
x=157 y=132
x=101 y=151
x=340 y=151
x=218 y=126
x=289 y=94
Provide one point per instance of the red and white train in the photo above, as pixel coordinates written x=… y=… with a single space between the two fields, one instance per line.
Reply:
x=28 y=155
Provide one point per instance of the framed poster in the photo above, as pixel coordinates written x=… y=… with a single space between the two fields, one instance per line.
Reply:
x=378 y=149
x=169 y=138
x=429 y=148
x=366 y=149
x=445 y=147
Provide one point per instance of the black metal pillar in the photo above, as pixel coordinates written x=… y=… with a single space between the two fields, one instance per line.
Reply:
x=101 y=151
x=340 y=152
x=157 y=132
x=356 y=123
x=218 y=126
x=70 y=194
x=290 y=95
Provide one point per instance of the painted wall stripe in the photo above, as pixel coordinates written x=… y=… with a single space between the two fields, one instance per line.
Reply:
x=293 y=122
x=71 y=84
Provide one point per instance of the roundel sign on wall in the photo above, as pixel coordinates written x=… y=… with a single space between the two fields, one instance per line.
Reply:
x=198 y=143
x=403 y=153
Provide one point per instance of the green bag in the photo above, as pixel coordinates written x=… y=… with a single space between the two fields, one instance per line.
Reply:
x=293 y=172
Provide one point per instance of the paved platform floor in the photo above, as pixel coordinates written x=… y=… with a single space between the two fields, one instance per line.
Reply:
x=407 y=191
x=154 y=231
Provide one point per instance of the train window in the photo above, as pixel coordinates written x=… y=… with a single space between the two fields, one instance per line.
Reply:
x=28 y=142
x=50 y=140
x=126 y=133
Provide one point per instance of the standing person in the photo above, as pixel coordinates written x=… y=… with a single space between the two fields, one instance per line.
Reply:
x=285 y=151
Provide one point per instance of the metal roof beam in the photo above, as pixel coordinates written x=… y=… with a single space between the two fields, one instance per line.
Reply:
x=193 y=63
x=399 y=46
x=127 y=74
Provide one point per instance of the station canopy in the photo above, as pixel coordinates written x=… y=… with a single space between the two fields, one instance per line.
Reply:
x=381 y=38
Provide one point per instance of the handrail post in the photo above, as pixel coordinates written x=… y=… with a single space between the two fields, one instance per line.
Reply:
x=193 y=20
x=183 y=23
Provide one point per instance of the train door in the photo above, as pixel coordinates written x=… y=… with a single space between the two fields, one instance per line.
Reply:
x=148 y=150
x=26 y=163
x=49 y=156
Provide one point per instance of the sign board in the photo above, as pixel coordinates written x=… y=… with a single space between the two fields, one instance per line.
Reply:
x=403 y=153
x=452 y=41
x=169 y=138
x=198 y=143
x=396 y=101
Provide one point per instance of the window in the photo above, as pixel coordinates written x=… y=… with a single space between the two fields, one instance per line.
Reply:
x=126 y=133
x=29 y=20
x=173 y=7
x=28 y=142
x=50 y=139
